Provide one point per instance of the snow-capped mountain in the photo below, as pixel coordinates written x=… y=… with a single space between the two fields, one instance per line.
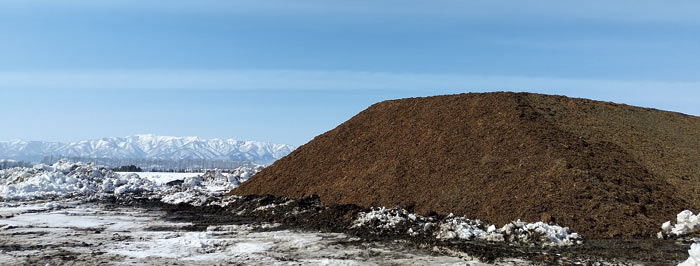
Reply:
x=148 y=147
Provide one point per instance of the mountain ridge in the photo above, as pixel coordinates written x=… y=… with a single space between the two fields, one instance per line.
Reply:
x=148 y=146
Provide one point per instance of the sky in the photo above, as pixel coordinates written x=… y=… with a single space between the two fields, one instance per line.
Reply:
x=286 y=71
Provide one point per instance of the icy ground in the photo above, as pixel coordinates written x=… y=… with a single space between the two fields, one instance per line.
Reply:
x=53 y=233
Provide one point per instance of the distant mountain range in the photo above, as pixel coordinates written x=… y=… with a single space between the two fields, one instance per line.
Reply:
x=148 y=147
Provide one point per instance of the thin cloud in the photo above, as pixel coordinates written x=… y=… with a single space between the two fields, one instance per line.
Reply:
x=310 y=80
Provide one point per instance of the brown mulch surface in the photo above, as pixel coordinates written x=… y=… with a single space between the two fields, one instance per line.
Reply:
x=605 y=170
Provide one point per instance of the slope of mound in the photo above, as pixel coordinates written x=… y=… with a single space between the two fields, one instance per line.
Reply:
x=603 y=169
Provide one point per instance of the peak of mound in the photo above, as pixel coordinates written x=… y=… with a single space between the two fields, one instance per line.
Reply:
x=603 y=169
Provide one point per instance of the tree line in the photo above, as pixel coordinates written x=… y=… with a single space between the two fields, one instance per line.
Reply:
x=6 y=164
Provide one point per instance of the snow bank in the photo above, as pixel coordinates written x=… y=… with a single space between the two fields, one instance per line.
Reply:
x=66 y=179
x=462 y=228
x=196 y=190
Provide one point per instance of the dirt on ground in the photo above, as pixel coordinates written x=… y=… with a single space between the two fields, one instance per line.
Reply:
x=153 y=221
x=310 y=214
x=605 y=170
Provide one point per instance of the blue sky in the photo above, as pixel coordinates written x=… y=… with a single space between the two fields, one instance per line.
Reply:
x=286 y=71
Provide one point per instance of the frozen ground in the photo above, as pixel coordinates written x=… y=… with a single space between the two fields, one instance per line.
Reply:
x=61 y=214
x=81 y=214
x=56 y=233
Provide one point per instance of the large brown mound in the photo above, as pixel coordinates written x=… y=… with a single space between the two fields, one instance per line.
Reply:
x=603 y=169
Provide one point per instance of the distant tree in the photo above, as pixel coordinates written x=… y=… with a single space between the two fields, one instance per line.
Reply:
x=129 y=168
x=6 y=164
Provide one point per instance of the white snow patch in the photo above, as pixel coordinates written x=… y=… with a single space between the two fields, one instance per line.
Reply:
x=176 y=245
x=686 y=223
x=250 y=247
x=381 y=217
x=694 y=258
x=185 y=197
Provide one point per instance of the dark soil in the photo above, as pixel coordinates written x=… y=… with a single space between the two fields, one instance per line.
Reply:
x=200 y=216
x=605 y=170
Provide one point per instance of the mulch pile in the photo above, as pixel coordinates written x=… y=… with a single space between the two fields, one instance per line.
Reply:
x=605 y=170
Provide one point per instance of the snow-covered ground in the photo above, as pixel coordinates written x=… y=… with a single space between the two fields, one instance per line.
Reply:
x=92 y=234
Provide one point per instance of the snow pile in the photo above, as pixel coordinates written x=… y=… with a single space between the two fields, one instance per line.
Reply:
x=686 y=223
x=228 y=181
x=694 y=258
x=514 y=232
x=242 y=174
x=196 y=190
x=539 y=232
x=380 y=220
x=66 y=179
x=462 y=228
